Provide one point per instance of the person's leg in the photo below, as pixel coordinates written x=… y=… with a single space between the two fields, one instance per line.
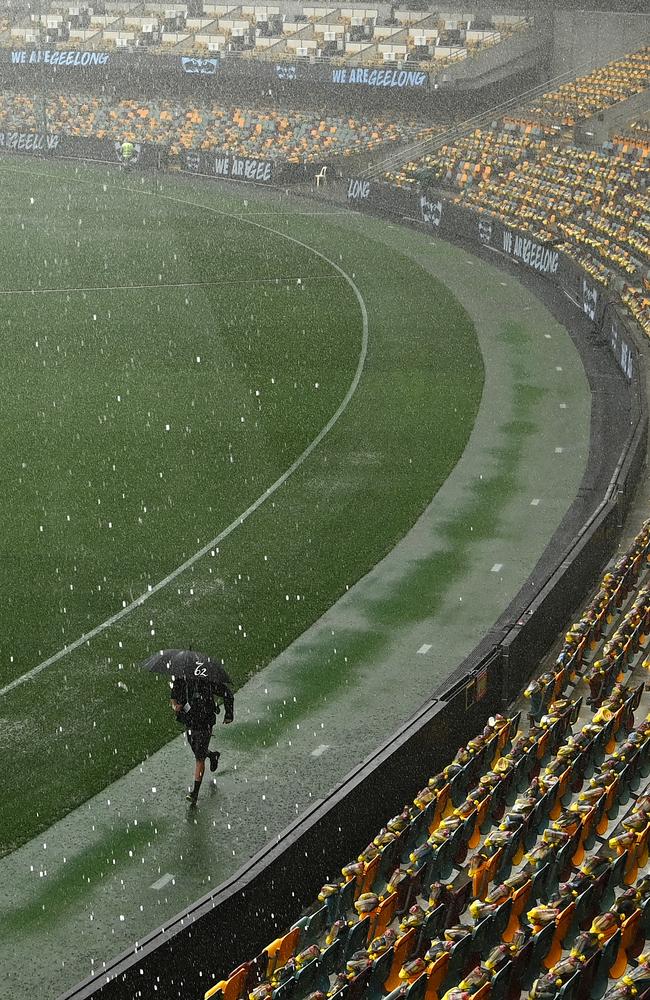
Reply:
x=199 y=743
x=213 y=757
x=199 y=771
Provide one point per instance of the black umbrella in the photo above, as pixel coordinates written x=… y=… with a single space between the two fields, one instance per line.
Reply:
x=187 y=663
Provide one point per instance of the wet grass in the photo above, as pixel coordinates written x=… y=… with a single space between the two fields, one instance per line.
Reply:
x=93 y=715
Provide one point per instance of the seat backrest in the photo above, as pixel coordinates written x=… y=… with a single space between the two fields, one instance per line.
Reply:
x=564 y=919
x=501 y=982
x=459 y=954
x=629 y=929
x=307 y=977
x=384 y=915
x=256 y=971
x=215 y=991
x=236 y=984
x=345 y=899
x=285 y=990
x=331 y=958
x=282 y=949
x=380 y=969
x=367 y=880
x=357 y=937
x=358 y=985
x=316 y=923
x=437 y=975
x=418 y=988
x=401 y=951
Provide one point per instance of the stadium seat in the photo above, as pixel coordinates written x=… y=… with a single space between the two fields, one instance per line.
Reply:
x=358 y=936
x=232 y=988
x=401 y=951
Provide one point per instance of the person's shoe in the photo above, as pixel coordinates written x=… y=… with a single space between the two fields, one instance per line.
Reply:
x=191 y=798
x=214 y=760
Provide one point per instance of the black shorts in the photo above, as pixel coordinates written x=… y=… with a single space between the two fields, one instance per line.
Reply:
x=199 y=741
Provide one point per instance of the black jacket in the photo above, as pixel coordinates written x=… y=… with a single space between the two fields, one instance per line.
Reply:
x=200 y=695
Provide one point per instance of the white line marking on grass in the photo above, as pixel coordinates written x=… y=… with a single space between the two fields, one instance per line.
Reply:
x=319 y=751
x=336 y=211
x=424 y=648
x=173 y=284
x=496 y=568
x=535 y=502
x=163 y=881
x=343 y=405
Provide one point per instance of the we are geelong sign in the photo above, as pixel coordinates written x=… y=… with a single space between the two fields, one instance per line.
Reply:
x=539 y=256
x=55 y=57
x=362 y=76
x=239 y=168
x=29 y=142
x=243 y=168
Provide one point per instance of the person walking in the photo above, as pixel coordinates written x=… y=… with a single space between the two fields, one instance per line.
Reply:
x=193 y=701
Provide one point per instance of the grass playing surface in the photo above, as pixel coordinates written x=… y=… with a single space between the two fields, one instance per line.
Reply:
x=169 y=365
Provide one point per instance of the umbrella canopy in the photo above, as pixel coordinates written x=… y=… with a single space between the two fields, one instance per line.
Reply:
x=187 y=663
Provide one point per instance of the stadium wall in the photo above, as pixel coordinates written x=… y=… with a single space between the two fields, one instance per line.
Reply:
x=582 y=41
x=202 y=944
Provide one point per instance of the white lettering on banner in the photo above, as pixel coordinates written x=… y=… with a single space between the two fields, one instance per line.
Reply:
x=358 y=190
x=380 y=77
x=222 y=166
x=260 y=171
x=54 y=57
x=624 y=355
x=28 y=142
x=535 y=255
x=431 y=211
x=589 y=299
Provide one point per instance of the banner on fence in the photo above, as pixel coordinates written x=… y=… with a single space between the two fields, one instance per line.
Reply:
x=620 y=347
x=358 y=189
x=30 y=142
x=204 y=67
x=431 y=210
x=71 y=59
x=363 y=76
x=238 y=168
x=540 y=256
x=589 y=299
x=129 y=154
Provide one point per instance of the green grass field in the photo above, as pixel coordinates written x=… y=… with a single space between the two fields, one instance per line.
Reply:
x=168 y=356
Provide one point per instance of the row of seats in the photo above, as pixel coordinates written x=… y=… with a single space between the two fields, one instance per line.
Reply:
x=520 y=866
x=637 y=299
x=429 y=943
x=589 y=94
x=594 y=205
x=295 y=136
x=421 y=39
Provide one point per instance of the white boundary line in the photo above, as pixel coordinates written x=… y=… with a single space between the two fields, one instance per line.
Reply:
x=260 y=500
x=302 y=278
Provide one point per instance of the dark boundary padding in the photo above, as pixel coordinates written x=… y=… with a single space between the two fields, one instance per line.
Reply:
x=204 y=943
